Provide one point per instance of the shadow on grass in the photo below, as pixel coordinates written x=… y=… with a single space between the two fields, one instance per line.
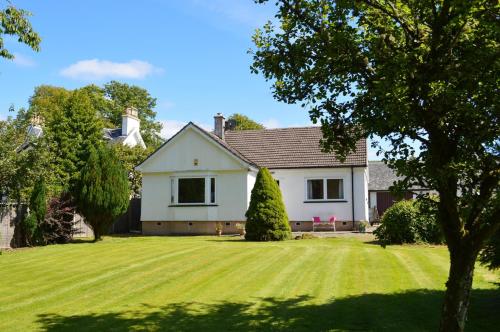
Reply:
x=410 y=311
x=82 y=240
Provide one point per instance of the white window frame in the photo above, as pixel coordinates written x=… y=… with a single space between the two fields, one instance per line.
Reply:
x=174 y=189
x=325 y=191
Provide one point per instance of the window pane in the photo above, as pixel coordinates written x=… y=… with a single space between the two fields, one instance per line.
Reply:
x=192 y=190
x=212 y=190
x=172 y=190
x=335 y=188
x=315 y=189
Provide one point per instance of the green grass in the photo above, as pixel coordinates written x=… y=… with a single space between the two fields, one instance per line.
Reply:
x=221 y=284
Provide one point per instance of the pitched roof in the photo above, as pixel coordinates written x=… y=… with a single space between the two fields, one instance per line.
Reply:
x=223 y=144
x=289 y=148
x=381 y=176
x=112 y=134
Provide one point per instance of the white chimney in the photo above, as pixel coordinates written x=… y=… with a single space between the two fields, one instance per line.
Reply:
x=130 y=120
x=219 y=124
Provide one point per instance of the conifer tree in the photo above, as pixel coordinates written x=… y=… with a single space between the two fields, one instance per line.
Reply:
x=267 y=219
x=38 y=209
x=102 y=191
x=72 y=134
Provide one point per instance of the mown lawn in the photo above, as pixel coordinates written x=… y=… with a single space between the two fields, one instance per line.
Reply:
x=224 y=284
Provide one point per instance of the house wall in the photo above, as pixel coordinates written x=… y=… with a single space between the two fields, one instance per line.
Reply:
x=293 y=187
x=193 y=155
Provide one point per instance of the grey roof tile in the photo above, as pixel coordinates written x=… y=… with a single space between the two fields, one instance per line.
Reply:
x=289 y=148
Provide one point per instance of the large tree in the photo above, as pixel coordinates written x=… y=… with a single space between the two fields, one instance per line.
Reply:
x=112 y=99
x=14 y=22
x=243 y=122
x=71 y=133
x=102 y=191
x=423 y=74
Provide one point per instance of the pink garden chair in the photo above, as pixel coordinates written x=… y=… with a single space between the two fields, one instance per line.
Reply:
x=332 y=221
x=317 y=221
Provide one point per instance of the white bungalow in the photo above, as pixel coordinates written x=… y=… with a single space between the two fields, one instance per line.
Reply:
x=197 y=179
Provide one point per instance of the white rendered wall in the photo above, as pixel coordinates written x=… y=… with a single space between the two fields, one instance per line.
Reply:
x=194 y=155
x=293 y=188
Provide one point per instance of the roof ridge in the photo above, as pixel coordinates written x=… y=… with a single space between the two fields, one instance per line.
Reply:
x=271 y=129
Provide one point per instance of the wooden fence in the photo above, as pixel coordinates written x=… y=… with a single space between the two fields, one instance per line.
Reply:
x=9 y=221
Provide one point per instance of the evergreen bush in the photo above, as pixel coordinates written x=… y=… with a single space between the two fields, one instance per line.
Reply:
x=267 y=219
x=38 y=209
x=102 y=191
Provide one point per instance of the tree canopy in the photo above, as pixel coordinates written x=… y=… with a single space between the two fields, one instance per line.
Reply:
x=243 y=122
x=71 y=130
x=14 y=22
x=110 y=101
x=422 y=74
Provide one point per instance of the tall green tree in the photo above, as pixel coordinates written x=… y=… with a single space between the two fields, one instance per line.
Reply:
x=243 y=122
x=102 y=192
x=71 y=133
x=267 y=219
x=14 y=22
x=422 y=74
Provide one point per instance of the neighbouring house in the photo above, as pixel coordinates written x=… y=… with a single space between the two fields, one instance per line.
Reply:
x=198 y=179
x=129 y=133
x=380 y=196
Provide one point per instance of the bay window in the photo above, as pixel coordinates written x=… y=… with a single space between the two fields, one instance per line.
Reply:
x=193 y=190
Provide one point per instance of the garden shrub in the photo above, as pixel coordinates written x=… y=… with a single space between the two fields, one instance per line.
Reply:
x=398 y=224
x=410 y=221
x=427 y=225
x=58 y=225
x=267 y=219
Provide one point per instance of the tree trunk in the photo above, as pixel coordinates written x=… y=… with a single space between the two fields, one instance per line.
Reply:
x=458 y=288
x=97 y=234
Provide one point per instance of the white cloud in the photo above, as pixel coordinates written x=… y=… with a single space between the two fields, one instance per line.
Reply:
x=103 y=69
x=171 y=127
x=23 y=61
x=272 y=123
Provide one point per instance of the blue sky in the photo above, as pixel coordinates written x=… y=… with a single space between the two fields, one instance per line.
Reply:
x=189 y=54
